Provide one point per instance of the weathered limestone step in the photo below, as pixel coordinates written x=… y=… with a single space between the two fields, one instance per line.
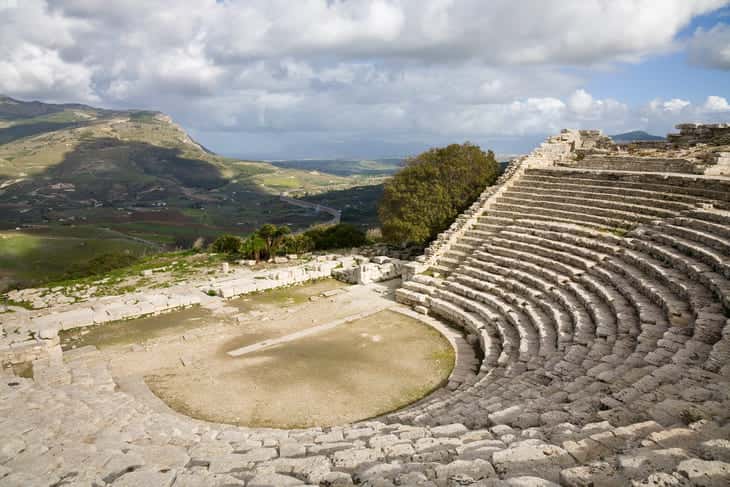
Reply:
x=715 y=258
x=584 y=187
x=635 y=163
x=539 y=320
x=539 y=290
x=641 y=206
x=714 y=188
x=576 y=214
x=690 y=265
x=718 y=243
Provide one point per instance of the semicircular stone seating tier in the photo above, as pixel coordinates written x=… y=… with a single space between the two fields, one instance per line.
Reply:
x=598 y=301
x=606 y=293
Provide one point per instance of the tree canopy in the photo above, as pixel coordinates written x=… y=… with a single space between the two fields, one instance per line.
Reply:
x=426 y=196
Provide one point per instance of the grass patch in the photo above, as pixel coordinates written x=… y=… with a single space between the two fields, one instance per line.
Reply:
x=617 y=231
x=5 y=301
x=139 y=330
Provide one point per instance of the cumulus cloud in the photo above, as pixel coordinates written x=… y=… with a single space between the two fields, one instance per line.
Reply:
x=716 y=104
x=370 y=69
x=711 y=48
x=659 y=115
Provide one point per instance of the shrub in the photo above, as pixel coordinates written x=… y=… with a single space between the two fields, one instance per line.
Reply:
x=374 y=234
x=199 y=244
x=253 y=247
x=342 y=235
x=298 y=244
x=273 y=237
x=227 y=244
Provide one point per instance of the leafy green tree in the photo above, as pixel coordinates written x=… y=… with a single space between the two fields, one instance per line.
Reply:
x=426 y=196
x=227 y=244
x=297 y=244
x=253 y=247
x=273 y=236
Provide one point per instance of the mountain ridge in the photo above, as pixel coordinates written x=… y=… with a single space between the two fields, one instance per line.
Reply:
x=635 y=136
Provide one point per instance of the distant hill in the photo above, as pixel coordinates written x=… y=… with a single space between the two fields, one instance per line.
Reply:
x=81 y=182
x=636 y=136
x=138 y=171
x=346 y=167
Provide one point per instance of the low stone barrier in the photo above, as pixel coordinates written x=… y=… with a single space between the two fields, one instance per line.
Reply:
x=27 y=335
x=231 y=287
x=378 y=269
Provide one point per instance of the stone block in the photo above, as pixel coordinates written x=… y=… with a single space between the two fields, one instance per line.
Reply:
x=703 y=473
x=531 y=457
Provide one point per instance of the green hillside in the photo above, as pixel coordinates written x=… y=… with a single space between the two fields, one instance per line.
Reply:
x=136 y=173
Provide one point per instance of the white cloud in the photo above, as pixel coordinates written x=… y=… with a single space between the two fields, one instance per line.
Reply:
x=711 y=48
x=716 y=104
x=675 y=105
x=379 y=68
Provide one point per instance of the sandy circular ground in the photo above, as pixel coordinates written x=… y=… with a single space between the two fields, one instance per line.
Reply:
x=354 y=371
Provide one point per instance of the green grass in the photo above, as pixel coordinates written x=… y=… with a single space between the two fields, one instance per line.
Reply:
x=4 y=300
x=180 y=264
x=138 y=330
x=291 y=295
x=619 y=232
x=28 y=259
x=201 y=216
x=164 y=234
x=345 y=167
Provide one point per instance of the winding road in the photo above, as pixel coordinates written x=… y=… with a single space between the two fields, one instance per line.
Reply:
x=336 y=214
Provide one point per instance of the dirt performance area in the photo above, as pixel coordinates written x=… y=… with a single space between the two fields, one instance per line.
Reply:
x=376 y=361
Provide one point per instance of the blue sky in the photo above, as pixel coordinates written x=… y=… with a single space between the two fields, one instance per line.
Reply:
x=666 y=75
x=274 y=79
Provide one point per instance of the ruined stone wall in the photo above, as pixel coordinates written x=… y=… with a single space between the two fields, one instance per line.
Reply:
x=377 y=269
x=721 y=167
x=697 y=133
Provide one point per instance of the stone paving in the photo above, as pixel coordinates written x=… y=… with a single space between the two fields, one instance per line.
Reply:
x=598 y=301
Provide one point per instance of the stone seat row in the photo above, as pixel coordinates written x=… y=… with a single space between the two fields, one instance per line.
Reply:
x=586 y=197
x=681 y=298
